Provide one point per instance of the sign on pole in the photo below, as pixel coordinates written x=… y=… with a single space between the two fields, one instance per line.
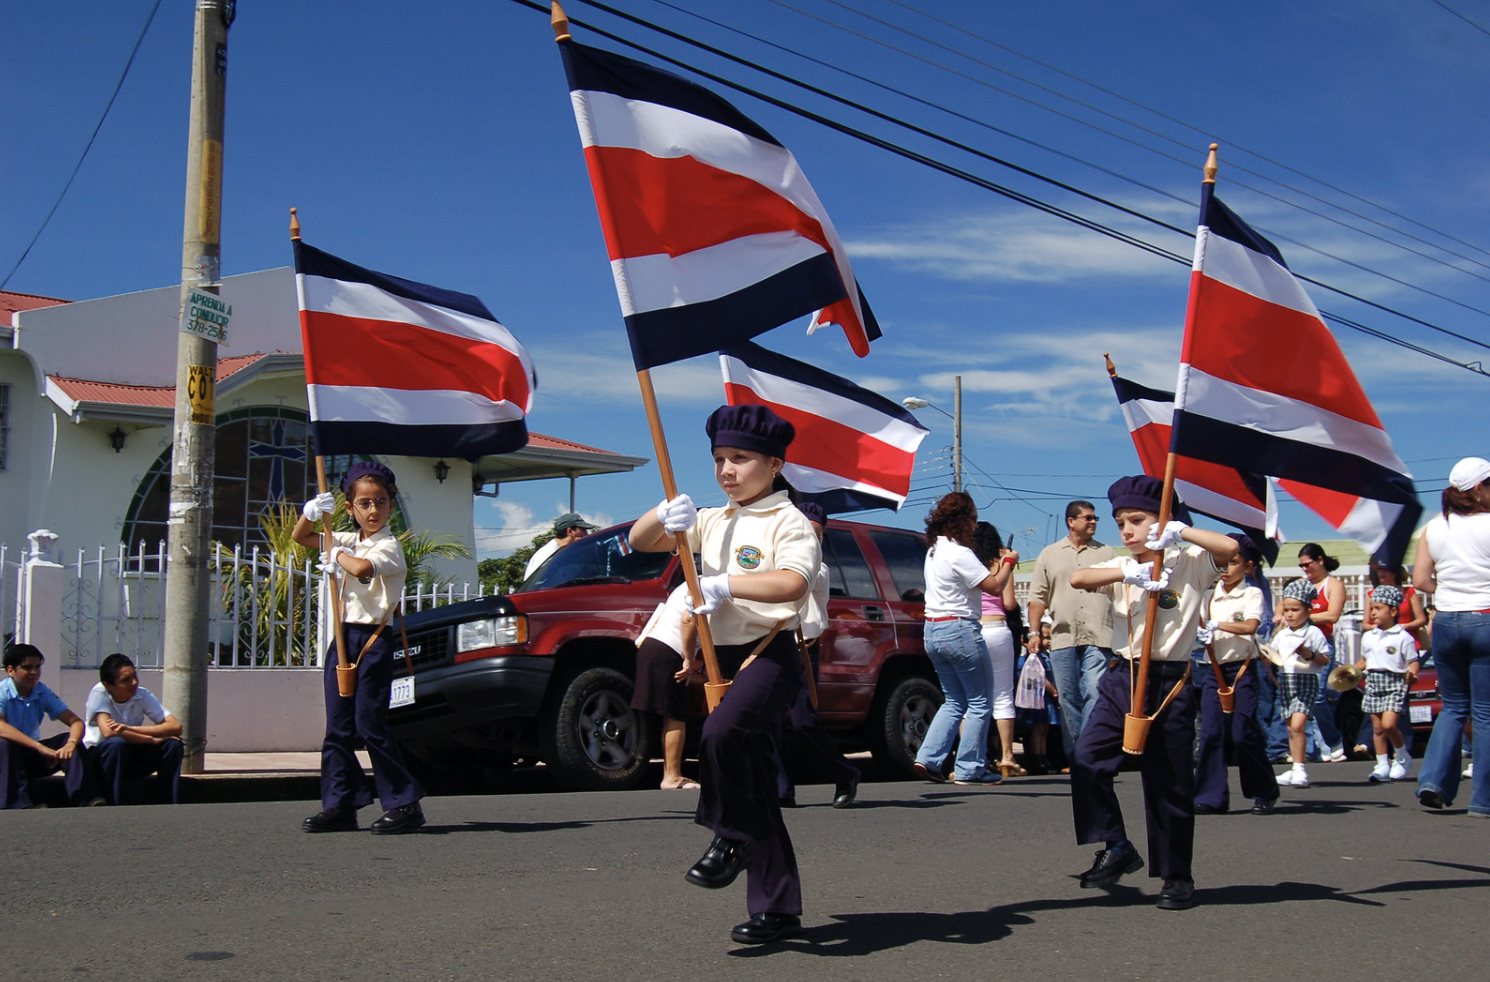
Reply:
x=206 y=316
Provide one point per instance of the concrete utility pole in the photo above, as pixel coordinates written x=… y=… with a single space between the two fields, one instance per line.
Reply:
x=194 y=432
x=957 y=436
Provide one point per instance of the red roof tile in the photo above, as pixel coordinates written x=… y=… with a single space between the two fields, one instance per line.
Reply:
x=11 y=303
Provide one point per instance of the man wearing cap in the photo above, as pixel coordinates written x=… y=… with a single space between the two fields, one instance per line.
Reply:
x=568 y=529
x=1081 y=633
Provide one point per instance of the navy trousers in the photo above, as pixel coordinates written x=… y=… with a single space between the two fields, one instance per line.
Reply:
x=1238 y=735
x=365 y=715
x=116 y=759
x=811 y=746
x=19 y=766
x=1166 y=765
x=738 y=770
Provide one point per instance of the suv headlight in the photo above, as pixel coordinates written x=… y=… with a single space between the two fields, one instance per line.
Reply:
x=490 y=632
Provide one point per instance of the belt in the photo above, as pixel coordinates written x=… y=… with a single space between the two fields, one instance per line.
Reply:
x=1164 y=669
x=938 y=620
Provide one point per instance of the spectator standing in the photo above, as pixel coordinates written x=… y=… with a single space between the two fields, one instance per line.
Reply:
x=988 y=545
x=569 y=528
x=1080 y=644
x=1324 y=612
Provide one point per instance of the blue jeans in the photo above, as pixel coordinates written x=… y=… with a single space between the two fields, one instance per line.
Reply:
x=1461 y=653
x=1077 y=673
x=960 y=657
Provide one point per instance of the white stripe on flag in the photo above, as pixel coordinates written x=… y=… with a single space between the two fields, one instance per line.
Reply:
x=414 y=407
x=362 y=300
x=1139 y=413
x=1219 y=505
x=828 y=405
x=1369 y=522
x=1283 y=416
x=1220 y=259
x=656 y=282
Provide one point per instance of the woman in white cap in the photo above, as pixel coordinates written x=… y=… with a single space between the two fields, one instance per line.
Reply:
x=1453 y=564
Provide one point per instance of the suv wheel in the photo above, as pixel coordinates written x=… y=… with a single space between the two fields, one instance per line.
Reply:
x=899 y=722
x=592 y=738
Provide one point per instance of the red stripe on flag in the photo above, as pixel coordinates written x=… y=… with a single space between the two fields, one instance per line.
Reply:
x=356 y=351
x=826 y=445
x=1332 y=506
x=1152 y=443
x=676 y=205
x=846 y=316
x=1239 y=338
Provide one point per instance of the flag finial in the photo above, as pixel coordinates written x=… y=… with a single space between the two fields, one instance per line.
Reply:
x=294 y=226
x=560 y=22
x=1211 y=165
x=1111 y=368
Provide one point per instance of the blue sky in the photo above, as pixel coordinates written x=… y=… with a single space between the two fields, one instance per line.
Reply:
x=436 y=142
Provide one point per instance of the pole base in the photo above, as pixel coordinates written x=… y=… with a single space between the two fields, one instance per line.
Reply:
x=713 y=693
x=1228 y=700
x=1135 y=733
x=346 y=681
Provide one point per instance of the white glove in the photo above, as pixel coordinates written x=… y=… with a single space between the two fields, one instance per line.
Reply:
x=1170 y=536
x=1206 y=633
x=1137 y=574
x=321 y=506
x=715 y=591
x=677 y=515
x=330 y=567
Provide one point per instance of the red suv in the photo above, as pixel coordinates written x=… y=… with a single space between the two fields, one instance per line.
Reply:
x=546 y=673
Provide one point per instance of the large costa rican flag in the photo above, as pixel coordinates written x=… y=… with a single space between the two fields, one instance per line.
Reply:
x=713 y=231
x=1263 y=387
x=398 y=367
x=854 y=449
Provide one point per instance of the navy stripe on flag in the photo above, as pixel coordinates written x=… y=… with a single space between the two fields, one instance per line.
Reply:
x=1226 y=223
x=671 y=334
x=594 y=70
x=466 y=441
x=1130 y=391
x=311 y=261
x=765 y=360
x=841 y=500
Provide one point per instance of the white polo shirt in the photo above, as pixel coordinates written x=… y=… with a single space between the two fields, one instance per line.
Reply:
x=1192 y=570
x=1390 y=650
x=368 y=600
x=1235 y=606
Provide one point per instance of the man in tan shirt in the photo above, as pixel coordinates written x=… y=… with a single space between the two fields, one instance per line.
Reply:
x=1081 y=638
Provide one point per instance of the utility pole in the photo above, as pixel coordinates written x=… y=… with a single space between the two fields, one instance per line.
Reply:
x=189 y=577
x=957 y=435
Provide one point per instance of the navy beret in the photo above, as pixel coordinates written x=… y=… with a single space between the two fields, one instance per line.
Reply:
x=366 y=468
x=813 y=511
x=1142 y=492
x=1248 y=548
x=750 y=428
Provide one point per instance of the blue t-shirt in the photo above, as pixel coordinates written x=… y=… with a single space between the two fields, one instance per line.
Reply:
x=27 y=714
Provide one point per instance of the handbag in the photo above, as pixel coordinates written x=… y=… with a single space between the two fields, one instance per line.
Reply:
x=1030 y=693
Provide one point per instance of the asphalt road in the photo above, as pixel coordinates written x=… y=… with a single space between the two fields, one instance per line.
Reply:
x=1345 y=880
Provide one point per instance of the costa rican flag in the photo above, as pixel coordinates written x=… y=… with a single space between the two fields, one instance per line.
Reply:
x=713 y=231
x=1263 y=387
x=398 y=367
x=1217 y=490
x=854 y=449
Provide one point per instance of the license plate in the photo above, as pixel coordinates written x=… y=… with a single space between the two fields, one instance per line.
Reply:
x=403 y=692
x=1418 y=714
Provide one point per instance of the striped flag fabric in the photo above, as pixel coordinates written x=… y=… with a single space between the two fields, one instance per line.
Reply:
x=714 y=233
x=1216 y=490
x=854 y=449
x=1264 y=387
x=398 y=367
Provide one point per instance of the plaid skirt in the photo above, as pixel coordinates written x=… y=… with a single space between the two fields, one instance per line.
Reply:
x=1298 y=693
x=1386 y=692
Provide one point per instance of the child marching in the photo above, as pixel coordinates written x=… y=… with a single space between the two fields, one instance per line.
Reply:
x=1304 y=656
x=1389 y=657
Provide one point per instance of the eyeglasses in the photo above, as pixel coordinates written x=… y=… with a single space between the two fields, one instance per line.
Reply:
x=1086 y=518
x=1306 y=563
x=371 y=502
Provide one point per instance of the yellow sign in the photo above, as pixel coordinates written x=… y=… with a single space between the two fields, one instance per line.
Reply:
x=201 y=392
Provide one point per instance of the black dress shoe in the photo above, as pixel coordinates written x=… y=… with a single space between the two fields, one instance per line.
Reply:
x=846 y=792
x=762 y=928
x=720 y=864
x=397 y=821
x=1111 y=864
x=1430 y=799
x=1177 y=895
x=1264 y=806
x=1209 y=810
x=331 y=820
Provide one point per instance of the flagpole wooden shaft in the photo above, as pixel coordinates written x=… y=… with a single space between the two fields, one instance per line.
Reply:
x=685 y=553
x=1151 y=617
x=340 y=628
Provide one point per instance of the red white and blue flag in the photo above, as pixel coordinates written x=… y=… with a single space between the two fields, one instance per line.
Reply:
x=398 y=367
x=1264 y=387
x=854 y=449
x=713 y=231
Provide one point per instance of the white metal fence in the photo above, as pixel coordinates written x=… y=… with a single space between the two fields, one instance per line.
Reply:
x=262 y=612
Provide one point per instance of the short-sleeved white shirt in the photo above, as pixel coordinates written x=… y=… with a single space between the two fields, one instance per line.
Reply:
x=952 y=573
x=1390 y=650
x=666 y=624
x=367 y=601
x=1289 y=642
x=1460 y=546
x=1192 y=571
x=1235 y=606
x=143 y=708
x=747 y=540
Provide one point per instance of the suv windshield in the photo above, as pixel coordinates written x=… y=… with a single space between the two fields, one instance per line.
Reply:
x=605 y=557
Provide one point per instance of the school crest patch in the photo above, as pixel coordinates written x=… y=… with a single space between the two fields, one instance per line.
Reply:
x=1168 y=600
x=748 y=557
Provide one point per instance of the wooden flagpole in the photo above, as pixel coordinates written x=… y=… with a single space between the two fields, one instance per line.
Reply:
x=345 y=678
x=716 y=685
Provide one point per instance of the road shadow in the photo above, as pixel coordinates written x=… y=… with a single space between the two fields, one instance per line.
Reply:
x=527 y=827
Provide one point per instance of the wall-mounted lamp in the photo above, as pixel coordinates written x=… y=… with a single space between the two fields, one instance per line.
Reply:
x=116 y=439
x=442 y=471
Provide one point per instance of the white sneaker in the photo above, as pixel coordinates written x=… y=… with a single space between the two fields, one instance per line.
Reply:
x=1381 y=772
x=1296 y=777
x=1469 y=769
x=1336 y=755
x=1399 y=769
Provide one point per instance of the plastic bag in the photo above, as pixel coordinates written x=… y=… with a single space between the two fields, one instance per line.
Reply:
x=1030 y=692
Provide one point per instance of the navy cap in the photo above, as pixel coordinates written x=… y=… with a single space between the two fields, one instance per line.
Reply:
x=1142 y=492
x=1248 y=548
x=366 y=468
x=814 y=512
x=750 y=428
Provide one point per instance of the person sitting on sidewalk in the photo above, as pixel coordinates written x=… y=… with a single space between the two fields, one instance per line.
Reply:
x=130 y=734
x=24 y=756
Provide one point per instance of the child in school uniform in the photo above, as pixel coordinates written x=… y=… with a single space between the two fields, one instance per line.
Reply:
x=1306 y=658
x=1389 y=657
x=1179 y=564
x=759 y=556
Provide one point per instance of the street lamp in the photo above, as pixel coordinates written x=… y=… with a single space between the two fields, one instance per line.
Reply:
x=915 y=402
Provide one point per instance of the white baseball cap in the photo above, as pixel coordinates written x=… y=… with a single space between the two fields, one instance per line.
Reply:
x=1469 y=473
